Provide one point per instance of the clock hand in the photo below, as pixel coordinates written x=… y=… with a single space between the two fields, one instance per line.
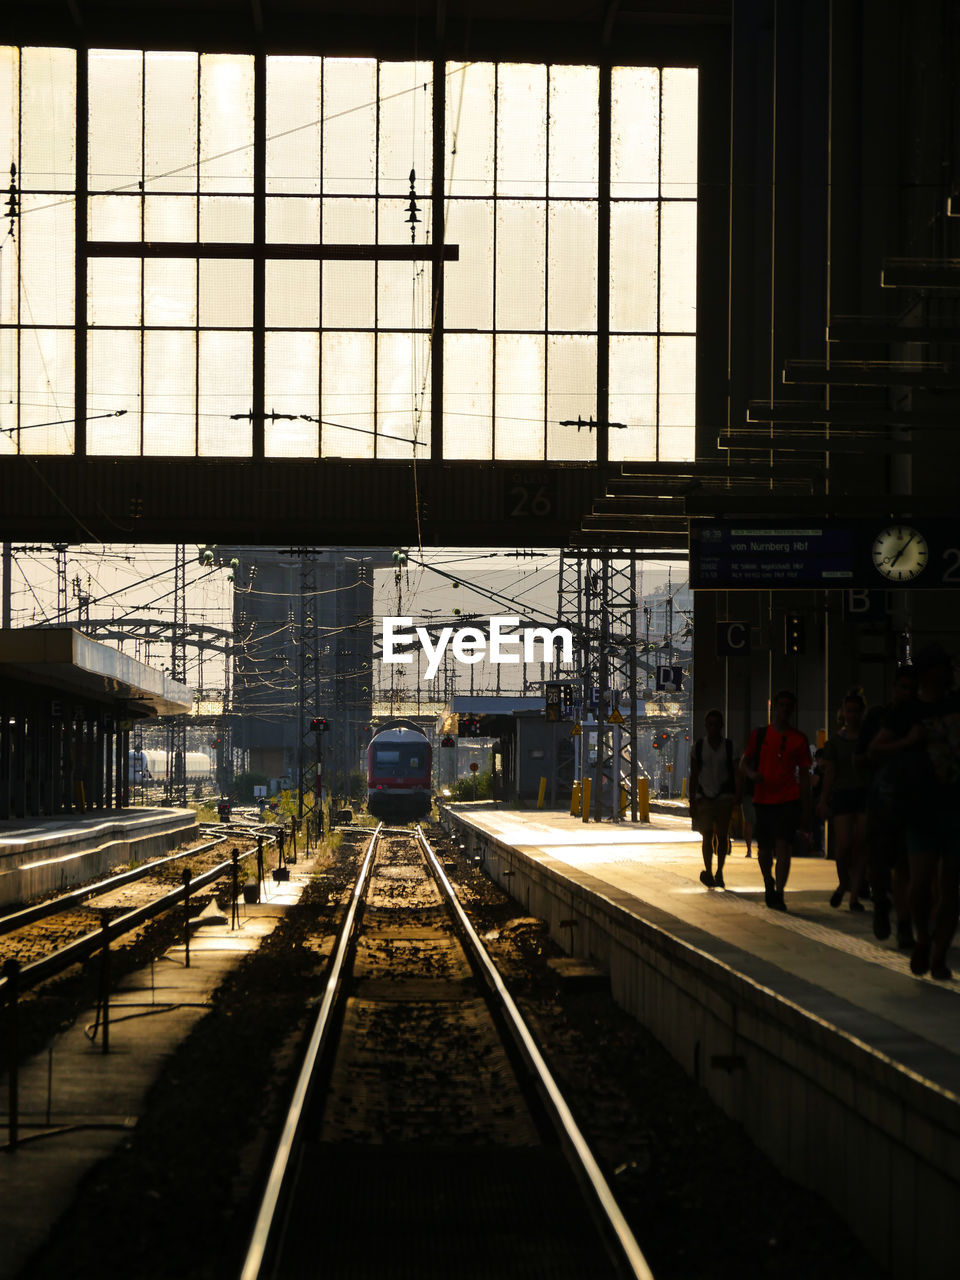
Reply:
x=903 y=548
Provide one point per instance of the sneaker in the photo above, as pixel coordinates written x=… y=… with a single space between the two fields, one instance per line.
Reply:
x=718 y=881
x=706 y=878
x=905 y=938
x=837 y=896
x=881 y=919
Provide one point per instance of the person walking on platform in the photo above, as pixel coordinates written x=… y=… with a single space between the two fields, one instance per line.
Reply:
x=886 y=838
x=777 y=759
x=843 y=799
x=714 y=794
x=925 y=735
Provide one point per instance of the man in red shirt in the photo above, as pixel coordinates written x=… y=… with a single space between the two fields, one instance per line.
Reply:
x=777 y=760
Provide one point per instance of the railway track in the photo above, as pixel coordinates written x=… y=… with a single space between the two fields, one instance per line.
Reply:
x=426 y=1136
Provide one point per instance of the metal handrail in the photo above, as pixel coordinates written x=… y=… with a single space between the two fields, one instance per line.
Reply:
x=50 y=908
x=263 y=1237
x=80 y=948
x=574 y=1140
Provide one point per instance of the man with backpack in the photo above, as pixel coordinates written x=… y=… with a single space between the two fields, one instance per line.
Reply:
x=714 y=794
x=777 y=760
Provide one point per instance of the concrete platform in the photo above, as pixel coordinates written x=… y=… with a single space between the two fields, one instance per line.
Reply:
x=77 y=1103
x=48 y=855
x=841 y=1064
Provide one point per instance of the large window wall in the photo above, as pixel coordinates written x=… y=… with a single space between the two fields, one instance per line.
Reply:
x=244 y=274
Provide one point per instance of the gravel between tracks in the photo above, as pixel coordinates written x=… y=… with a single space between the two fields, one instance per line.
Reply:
x=704 y=1203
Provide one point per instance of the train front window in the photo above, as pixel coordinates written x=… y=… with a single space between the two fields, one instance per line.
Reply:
x=388 y=762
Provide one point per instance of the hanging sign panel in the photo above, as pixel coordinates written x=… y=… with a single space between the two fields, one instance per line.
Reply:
x=854 y=555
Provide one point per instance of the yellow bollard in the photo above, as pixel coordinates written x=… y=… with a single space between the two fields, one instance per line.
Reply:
x=575 y=801
x=623 y=801
x=643 y=799
x=541 y=794
x=683 y=789
x=587 y=788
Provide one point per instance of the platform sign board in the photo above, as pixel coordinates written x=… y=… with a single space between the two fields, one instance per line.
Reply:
x=725 y=556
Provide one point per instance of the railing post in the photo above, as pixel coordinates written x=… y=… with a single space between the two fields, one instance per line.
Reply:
x=105 y=982
x=235 y=907
x=11 y=971
x=259 y=867
x=186 y=918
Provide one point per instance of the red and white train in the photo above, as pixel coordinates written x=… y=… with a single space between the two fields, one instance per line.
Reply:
x=399 y=761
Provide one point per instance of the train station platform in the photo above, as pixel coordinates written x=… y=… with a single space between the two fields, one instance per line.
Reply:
x=47 y=855
x=77 y=1104
x=841 y=1064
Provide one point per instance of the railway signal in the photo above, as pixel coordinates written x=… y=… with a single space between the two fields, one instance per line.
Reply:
x=320 y=724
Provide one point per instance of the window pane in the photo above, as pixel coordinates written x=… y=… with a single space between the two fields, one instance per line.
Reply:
x=519 y=396
x=171 y=104
x=346 y=403
x=113 y=291
x=294 y=107
x=226 y=122
x=292 y=294
x=633 y=266
x=470 y=119
x=404 y=298
x=348 y=295
x=349 y=221
x=113 y=217
x=46 y=391
x=226 y=388
x=521 y=130
x=48 y=153
x=47 y=282
x=9 y=109
x=403 y=395
x=170 y=218
x=169 y=383
x=292 y=385
x=9 y=391
x=406 y=126
x=115 y=158
x=633 y=397
x=678 y=140
x=468 y=396
x=293 y=221
x=678 y=381
x=574 y=131
x=227 y=218
x=571 y=394
x=113 y=384
x=521 y=270
x=468 y=283
x=635 y=132
x=226 y=293
x=349 y=126
x=170 y=291
x=572 y=269
x=678 y=266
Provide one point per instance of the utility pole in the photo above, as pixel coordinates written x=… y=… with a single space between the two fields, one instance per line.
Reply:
x=7 y=585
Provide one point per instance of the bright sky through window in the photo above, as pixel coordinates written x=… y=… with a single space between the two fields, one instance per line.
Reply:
x=286 y=287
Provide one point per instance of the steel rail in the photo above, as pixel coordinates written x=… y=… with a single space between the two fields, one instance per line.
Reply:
x=64 y=901
x=586 y=1166
x=90 y=943
x=263 y=1239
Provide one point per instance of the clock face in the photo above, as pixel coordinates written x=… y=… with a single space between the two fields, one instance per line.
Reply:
x=900 y=552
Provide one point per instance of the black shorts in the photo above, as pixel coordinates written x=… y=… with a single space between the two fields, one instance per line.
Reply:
x=776 y=822
x=849 y=800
